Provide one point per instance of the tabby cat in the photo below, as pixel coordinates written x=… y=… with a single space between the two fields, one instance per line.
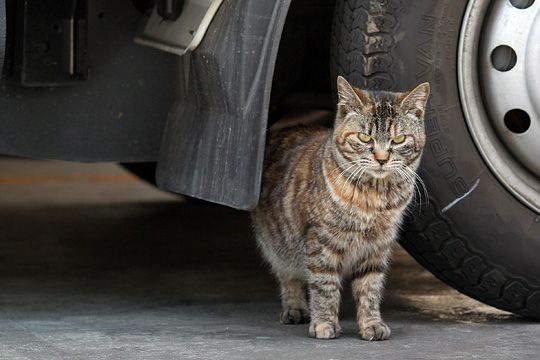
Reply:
x=332 y=202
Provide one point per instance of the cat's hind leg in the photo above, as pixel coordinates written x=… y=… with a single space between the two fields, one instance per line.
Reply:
x=293 y=300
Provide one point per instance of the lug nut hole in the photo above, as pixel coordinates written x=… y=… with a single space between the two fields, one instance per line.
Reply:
x=503 y=58
x=517 y=121
x=521 y=4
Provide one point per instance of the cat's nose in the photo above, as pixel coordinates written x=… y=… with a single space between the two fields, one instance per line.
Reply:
x=382 y=157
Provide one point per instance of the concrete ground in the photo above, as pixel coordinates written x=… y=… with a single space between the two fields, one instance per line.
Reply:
x=95 y=264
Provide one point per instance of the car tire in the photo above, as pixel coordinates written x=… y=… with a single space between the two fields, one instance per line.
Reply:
x=473 y=234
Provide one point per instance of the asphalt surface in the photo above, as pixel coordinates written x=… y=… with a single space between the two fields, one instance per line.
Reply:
x=95 y=264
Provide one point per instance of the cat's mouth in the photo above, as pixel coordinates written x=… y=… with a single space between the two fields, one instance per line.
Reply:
x=379 y=172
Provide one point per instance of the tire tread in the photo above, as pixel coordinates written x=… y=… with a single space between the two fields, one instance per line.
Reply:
x=464 y=268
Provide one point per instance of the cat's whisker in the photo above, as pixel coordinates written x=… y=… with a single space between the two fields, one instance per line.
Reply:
x=419 y=179
x=411 y=180
x=351 y=177
x=351 y=163
x=416 y=188
x=358 y=178
x=417 y=182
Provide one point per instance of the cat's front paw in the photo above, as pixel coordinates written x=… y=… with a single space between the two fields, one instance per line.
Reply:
x=375 y=331
x=295 y=316
x=324 y=330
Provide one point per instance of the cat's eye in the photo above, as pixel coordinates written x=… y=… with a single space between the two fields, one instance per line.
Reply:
x=364 y=137
x=398 y=139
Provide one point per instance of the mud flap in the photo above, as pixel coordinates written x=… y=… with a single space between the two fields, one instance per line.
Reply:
x=213 y=143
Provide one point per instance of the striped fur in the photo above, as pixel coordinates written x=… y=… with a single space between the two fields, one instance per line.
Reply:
x=331 y=206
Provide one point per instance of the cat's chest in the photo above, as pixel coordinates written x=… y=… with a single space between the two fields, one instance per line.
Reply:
x=369 y=211
x=358 y=247
x=365 y=225
x=359 y=237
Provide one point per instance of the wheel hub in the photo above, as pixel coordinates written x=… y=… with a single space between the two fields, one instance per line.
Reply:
x=499 y=80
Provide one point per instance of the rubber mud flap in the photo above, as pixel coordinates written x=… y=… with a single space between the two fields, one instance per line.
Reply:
x=213 y=143
x=485 y=245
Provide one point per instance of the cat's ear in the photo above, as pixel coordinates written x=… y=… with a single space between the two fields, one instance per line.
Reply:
x=349 y=97
x=414 y=102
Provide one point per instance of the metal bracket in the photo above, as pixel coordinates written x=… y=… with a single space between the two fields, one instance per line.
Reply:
x=51 y=37
x=185 y=33
x=117 y=114
x=170 y=9
x=3 y=24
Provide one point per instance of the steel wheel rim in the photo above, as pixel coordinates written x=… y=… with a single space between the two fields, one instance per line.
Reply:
x=482 y=77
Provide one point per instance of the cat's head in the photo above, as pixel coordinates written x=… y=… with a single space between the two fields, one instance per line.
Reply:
x=378 y=133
